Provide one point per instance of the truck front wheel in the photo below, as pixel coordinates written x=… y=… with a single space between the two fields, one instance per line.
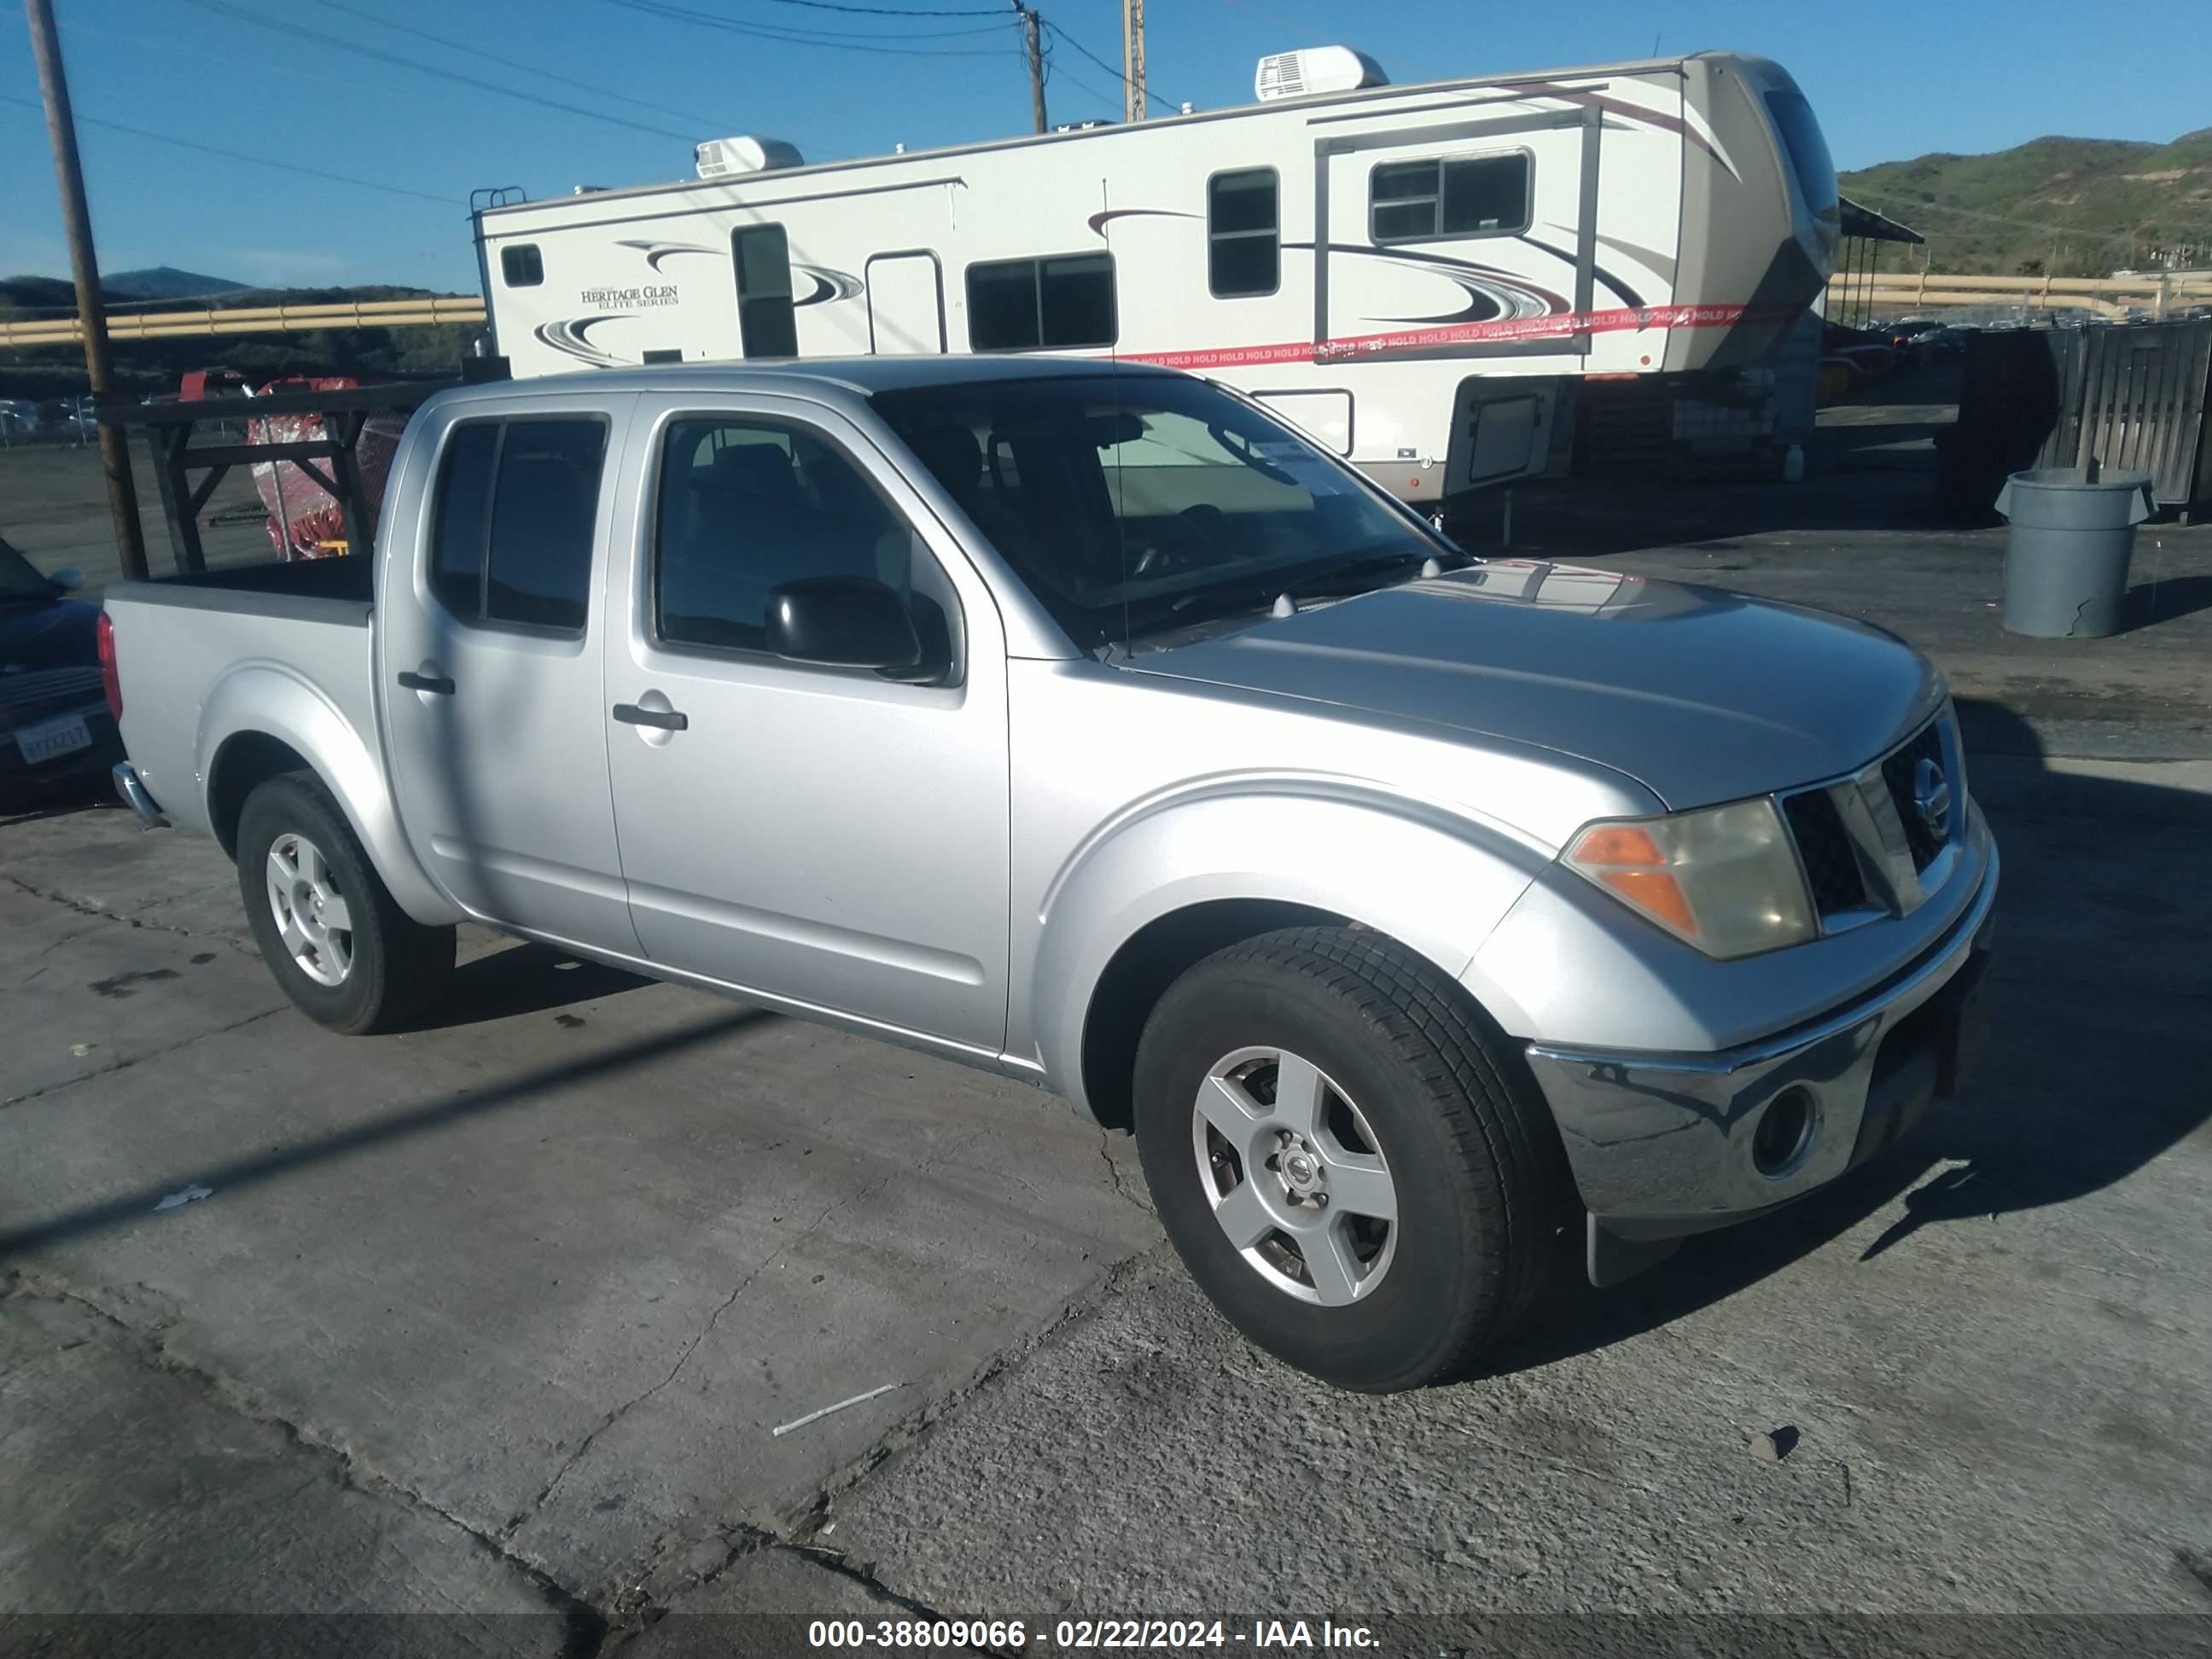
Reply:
x=1341 y=1160
x=345 y=953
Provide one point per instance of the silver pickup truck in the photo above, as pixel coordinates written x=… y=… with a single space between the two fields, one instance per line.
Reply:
x=1088 y=725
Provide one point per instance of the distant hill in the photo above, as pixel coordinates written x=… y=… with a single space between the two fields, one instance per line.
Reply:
x=167 y=282
x=144 y=366
x=2069 y=207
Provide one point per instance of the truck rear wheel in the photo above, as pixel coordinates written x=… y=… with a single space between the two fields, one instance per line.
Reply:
x=344 y=951
x=1339 y=1159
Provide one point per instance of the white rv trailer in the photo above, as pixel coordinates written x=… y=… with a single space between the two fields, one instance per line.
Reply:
x=1417 y=274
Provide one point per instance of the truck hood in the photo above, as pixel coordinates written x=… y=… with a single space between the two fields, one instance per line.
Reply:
x=1699 y=694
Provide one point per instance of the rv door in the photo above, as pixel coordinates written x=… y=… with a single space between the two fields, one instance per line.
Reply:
x=906 y=305
x=1469 y=246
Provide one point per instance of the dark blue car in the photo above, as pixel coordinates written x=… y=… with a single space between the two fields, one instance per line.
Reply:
x=55 y=733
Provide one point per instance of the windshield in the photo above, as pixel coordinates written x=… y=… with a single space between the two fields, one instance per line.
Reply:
x=1129 y=504
x=18 y=580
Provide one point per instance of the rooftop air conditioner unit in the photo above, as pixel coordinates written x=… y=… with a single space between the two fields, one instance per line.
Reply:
x=727 y=158
x=1316 y=68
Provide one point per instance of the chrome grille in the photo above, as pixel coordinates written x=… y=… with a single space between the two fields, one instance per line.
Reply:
x=1876 y=843
x=1898 y=771
x=1825 y=848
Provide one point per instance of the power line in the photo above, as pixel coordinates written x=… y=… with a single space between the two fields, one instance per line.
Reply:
x=222 y=8
x=884 y=11
x=1053 y=69
x=879 y=44
x=703 y=121
x=1086 y=52
x=84 y=120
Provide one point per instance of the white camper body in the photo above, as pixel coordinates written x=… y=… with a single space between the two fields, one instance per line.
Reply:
x=1417 y=274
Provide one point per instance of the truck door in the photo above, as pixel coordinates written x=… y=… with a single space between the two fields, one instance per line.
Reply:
x=1468 y=249
x=488 y=666
x=826 y=837
x=906 y=305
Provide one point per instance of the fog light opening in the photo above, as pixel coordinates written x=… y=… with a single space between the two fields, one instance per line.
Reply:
x=1785 y=1134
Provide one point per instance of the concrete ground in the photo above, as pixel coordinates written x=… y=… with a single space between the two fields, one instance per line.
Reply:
x=504 y=1315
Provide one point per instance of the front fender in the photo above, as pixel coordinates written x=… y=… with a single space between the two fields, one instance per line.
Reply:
x=1436 y=883
x=271 y=699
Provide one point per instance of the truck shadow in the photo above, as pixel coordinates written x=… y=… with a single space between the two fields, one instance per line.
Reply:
x=2101 y=1044
x=521 y=1089
x=2153 y=602
x=524 y=979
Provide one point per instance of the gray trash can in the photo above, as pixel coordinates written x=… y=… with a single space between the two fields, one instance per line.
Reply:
x=2066 y=560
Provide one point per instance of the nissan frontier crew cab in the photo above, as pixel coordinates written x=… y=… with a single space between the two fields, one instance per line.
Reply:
x=1089 y=725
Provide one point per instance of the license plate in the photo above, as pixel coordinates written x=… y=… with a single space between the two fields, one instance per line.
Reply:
x=51 y=739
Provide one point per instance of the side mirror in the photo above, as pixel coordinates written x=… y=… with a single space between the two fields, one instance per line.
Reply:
x=841 y=622
x=68 y=580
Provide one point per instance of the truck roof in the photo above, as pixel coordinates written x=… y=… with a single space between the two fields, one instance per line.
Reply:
x=856 y=376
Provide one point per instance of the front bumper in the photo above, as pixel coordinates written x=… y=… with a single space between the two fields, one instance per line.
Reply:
x=1666 y=1145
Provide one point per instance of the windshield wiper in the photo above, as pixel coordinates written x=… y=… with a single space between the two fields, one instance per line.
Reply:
x=1349 y=577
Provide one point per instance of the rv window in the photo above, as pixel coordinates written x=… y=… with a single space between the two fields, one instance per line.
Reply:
x=520 y=265
x=1075 y=296
x=1022 y=305
x=745 y=505
x=766 y=322
x=1243 y=237
x=1473 y=196
x=545 y=506
x=1807 y=150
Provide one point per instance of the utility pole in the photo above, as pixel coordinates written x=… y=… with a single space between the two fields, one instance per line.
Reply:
x=1132 y=59
x=1028 y=14
x=84 y=266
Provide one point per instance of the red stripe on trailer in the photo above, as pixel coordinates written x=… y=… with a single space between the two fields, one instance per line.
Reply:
x=1551 y=326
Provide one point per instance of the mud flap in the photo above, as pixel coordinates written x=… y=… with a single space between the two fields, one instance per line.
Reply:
x=1612 y=1258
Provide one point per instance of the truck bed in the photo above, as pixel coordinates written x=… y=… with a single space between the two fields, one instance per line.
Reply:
x=302 y=586
x=192 y=651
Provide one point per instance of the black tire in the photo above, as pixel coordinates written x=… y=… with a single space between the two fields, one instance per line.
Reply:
x=1478 y=1170
x=396 y=966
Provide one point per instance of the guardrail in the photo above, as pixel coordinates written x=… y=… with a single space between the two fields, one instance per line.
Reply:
x=254 y=320
x=2117 y=297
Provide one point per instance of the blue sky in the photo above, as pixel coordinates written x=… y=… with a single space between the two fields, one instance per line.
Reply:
x=1889 y=80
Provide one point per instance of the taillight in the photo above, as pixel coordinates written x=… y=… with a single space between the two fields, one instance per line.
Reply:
x=111 y=682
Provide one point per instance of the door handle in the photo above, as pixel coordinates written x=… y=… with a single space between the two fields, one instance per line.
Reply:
x=665 y=720
x=436 y=684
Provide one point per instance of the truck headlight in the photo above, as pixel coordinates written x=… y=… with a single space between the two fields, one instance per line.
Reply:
x=1723 y=880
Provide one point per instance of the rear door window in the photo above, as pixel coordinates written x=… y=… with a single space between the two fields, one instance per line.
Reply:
x=517 y=508
x=457 y=545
